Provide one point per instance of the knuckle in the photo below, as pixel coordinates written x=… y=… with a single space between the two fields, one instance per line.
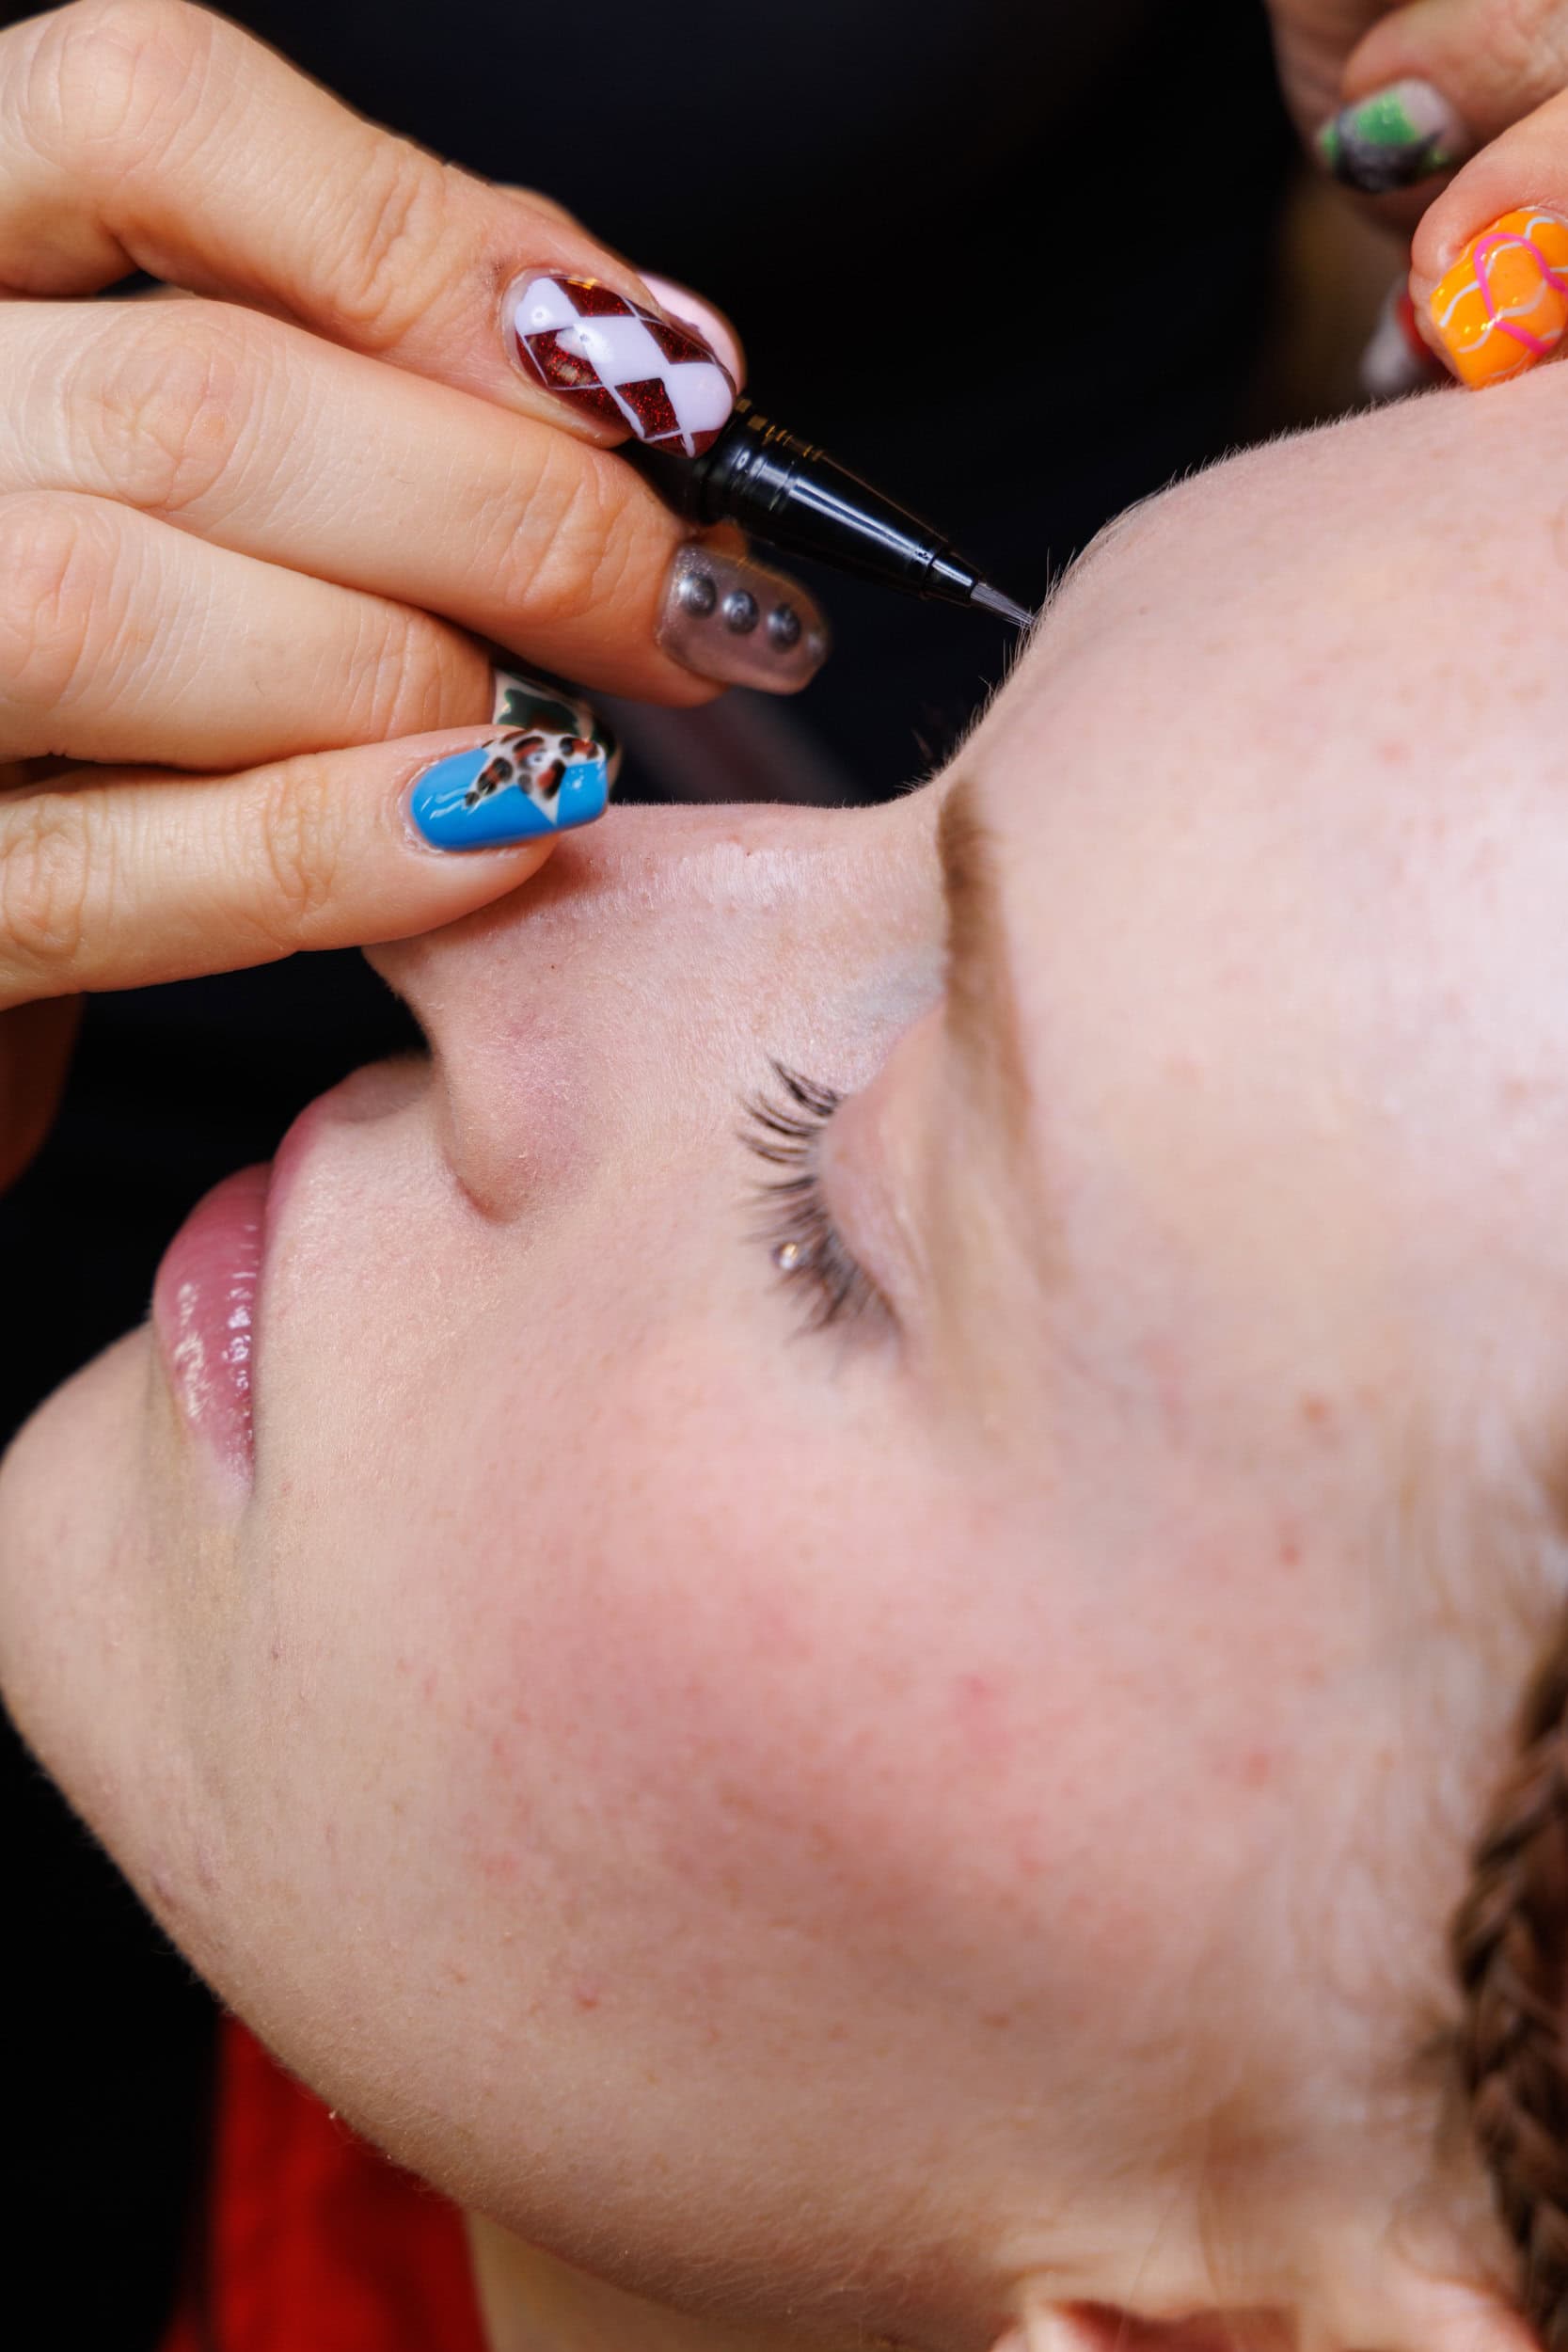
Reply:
x=158 y=404
x=386 y=255
x=104 y=74
x=565 y=555
x=1525 y=48
x=302 y=847
x=55 y=565
x=45 y=884
x=401 y=676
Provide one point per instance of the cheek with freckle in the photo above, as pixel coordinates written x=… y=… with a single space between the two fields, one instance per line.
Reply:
x=735 y=1722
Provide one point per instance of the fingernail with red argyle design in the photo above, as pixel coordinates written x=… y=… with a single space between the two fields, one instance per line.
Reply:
x=610 y=359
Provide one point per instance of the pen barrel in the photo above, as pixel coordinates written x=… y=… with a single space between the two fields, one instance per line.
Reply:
x=801 y=499
x=798 y=499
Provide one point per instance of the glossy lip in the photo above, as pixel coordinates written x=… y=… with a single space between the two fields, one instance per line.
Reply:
x=208 y=1297
x=204 y=1312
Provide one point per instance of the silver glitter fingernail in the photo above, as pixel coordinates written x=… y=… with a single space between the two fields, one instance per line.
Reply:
x=739 y=622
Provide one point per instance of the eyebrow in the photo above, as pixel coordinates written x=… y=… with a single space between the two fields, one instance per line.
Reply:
x=982 y=1004
x=982 y=1001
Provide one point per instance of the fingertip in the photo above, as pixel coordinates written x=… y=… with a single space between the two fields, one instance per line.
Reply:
x=613 y=365
x=1393 y=137
x=739 y=622
x=1502 y=307
x=549 y=772
x=687 y=308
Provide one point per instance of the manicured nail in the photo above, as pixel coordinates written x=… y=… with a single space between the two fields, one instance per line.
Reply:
x=685 y=308
x=519 y=700
x=1504 y=303
x=550 y=770
x=1398 y=359
x=1393 y=137
x=610 y=359
x=740 y=623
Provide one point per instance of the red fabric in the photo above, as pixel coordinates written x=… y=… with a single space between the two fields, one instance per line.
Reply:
x=315 y=2243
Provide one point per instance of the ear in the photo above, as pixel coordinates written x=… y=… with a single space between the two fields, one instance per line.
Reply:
x=1408 y=2309
x=1044 y=2326
x=1433 y=2315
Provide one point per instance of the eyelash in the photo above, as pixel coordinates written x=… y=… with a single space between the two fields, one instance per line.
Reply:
x=786 y=1130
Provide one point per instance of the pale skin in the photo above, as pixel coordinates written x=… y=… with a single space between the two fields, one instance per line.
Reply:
x=253 y=531
x=943 y=1828
x=919 y=1828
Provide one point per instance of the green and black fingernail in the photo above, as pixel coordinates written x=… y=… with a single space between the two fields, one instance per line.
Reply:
x=1393 y=138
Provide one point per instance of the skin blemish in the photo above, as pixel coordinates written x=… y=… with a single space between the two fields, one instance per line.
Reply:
x=979 y=1705
x=1317 y=1411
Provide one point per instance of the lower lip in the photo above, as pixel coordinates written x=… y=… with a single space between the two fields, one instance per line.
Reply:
x=204 y=1311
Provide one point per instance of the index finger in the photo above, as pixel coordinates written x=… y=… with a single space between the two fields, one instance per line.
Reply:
x=153 y=135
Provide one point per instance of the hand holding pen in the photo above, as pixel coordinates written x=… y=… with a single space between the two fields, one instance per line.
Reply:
x=261 y=538
x=1451 y=117
x=258 y=542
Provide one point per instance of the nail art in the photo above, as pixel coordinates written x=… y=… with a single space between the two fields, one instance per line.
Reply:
x=740 y=623
x=518 y=700
x=1393 y=137
x=1504 y=303
x=549 y=770
x=614 y=360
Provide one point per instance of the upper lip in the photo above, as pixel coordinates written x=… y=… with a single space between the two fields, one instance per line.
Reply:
x=286 y=1162
x=299 y=1141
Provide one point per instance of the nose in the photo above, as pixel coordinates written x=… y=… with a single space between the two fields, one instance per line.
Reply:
x=659 y=961
x=642 y=883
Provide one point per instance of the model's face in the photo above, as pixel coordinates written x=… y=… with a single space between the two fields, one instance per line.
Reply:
x=784 y=1817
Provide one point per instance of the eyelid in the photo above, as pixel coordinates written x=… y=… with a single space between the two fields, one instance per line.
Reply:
x=867 y=1172
x=785 y=1131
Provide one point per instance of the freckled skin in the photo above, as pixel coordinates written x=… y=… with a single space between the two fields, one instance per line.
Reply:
x=820 y=1830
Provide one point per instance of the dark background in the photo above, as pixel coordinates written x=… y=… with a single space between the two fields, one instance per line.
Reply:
x=903 y=209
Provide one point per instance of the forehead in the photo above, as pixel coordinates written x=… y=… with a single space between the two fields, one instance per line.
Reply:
x=1354 y=628
x=1282 y=814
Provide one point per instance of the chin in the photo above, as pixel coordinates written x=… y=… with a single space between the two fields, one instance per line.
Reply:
x=73 y=1522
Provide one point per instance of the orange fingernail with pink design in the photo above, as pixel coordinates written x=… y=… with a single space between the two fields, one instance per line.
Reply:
x=1504 y=303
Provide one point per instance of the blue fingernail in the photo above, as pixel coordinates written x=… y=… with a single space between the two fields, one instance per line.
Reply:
x=529 y=781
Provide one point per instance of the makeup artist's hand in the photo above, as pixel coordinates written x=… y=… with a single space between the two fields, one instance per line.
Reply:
x=253 y=533
x=1395 y=100
x=1393 y=96
x=1402 y=97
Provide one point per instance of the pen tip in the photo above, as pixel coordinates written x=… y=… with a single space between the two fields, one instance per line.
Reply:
x=994 y=601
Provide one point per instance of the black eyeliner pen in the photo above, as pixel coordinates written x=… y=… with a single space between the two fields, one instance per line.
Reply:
x=794 y=496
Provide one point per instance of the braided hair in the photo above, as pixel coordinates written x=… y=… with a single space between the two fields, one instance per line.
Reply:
x=1510 y=1947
